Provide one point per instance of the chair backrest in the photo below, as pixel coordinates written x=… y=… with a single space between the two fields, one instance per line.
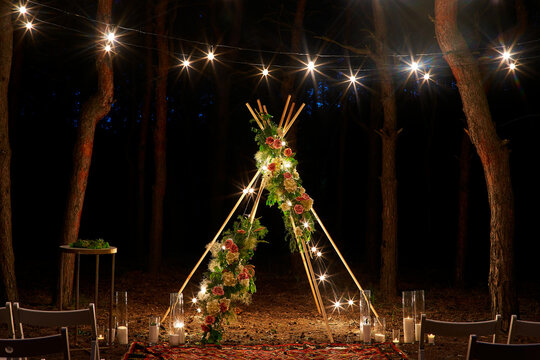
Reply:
x=522 y=328
x=38 y=346
x=479 y=350
x=456 y=329
x=65 y=318
x=6 y=317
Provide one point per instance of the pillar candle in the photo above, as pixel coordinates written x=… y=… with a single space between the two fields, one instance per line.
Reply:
x=174 y=339
x=408 y=330
x=366 y=332
x=379 y=337
x=153 y=334
x=122 y=334
x=417 y=331
x=431 y=339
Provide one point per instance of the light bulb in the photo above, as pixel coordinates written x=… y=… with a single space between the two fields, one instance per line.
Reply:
x=245 y=191
x=350 y=302
x=311 y=66
x=107 y=48
x=29 y=25
x=185 y=63
x=314 y=249
x=265 y=72
x=414 y=66
x=319 y=254
x=251 y=190
x=211 y=56
x=194 y=300
x=22 y=10
x=352 y=79
x=322 y=277
x=427 y=76
x=198 y=310
x=306 y=224
x=111 y=37
x=506 y=55
x=512 y=66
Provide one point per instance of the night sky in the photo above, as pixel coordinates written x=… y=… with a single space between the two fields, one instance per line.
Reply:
x=53 y=73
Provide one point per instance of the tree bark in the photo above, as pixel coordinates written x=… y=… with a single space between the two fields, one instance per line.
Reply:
x=463 y=209
x=389 y=134
x=493 y=154
x=93 y=110
x=159 y=136
x=7 y=257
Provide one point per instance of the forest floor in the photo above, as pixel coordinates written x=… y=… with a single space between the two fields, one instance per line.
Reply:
x=282 y=312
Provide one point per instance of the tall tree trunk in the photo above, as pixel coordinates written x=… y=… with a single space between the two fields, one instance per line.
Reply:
x=93 y=110
x=142 y=146
x=463 y=209
x=159 y=136
x=493 y=154
x=7 y=257
x=389 y=133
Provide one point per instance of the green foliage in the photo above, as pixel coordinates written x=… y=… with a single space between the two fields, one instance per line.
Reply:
x=90 y=244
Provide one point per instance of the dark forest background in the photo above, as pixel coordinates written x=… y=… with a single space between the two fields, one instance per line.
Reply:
x=53 y=73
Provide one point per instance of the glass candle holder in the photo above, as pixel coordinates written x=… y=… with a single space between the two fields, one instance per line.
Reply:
x=176 y=319
x=395 y=336
x=408 y=316
x=153 y=329
x=419 y=309
x=364 y=304
x=379 y=329
x=121 y=309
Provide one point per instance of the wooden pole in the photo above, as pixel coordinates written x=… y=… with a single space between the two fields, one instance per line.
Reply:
x=344 y=262
x=265 y=110
x=294 y=119
x=308 y=274
x=312 y=275
x=260 y=106
x=254 y=116
x=256 y=204
x=289 y=116
x=214 y=240
x=284 y=111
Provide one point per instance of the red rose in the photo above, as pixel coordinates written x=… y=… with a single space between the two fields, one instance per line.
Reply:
x=298 y=209
x=287 y=175
x=277 y=144
x=210 y=320
x=234 y=248
x=270 y=140
x=228 y=243
x=250 y=270
x=218 y=290
x=272 y=167
x=223 y=307
x=287 y=152
x=299 y=198
x=205 y=328
x=305 y=196
x=241 y=231
x=243 y=276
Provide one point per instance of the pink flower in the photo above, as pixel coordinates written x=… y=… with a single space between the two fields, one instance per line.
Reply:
x=243 y=276
x=299 y=198
x=241 y=231
x=228 y=243
x=287 y=175
x=234 y=248
x=218 y=290
x=272 y=167
x=270 y=141
x=210 y=320
x=287 y=152
x=298 y=209
x=305 y=196
x=277 y=144
x=205 y=328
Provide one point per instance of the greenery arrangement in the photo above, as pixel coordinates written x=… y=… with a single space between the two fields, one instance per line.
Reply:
x=90 y=244
x=230 y=279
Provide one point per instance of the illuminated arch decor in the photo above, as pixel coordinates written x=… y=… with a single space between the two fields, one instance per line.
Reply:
x=230 y=279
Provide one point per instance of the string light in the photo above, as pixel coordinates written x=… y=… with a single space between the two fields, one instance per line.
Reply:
x=306 y=224
x=251 y=190
x=203 y=290
x=352 y=79
x=314 y=249
x=350 y=302
x=108 y=48
x=289 y=202
x=427 y=76
x=194 y=300
x=198 y=310
x=245 y=191
x=506 y=55
x=265 y=72
x=22 y=10
x=322 y=277
x=512 y=66
x=283 y=143
x=185 y=63
x=29 y=26
x=319 y=254
x=414 y=66
x=210 y=56
x=311 y=66
x=110 y=36
x=337 y=305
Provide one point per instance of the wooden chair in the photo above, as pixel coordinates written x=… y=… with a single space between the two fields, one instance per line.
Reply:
x=37 y=346
x=456 y=329
x=479 y=350
x=6 y=317
x=522 y=328
x=65 y=318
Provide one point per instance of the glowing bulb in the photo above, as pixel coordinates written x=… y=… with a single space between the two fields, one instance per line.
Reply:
x=311 y=66
x=506 y=55
x=512 y=66
x=306 y=224
x=337 y=304
x=185 y=63
x=350 y=302
x=265 y=72
x=198 y=310
x=194 y=300
x=322 y=277
x=352 y=79
x=319 y=254
x=264 y=167
x=107 y=48
x=211 y=56
x=414 y=66
x=286 y=163
x=111 y=37
x=245 y=191
x=314 y=249
x=22 y=10
x=203 y=289
x=223 y=247
x=178 y=324
x=289 y=202
x=251 y=190
x=427 y=76
x=29 y=25
x=283 y=143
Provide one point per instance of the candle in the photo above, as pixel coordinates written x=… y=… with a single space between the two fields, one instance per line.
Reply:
x=174 y=339
x=408 y=330
x=379 y=337
x=153 y=334
x=431 y=339
x=366 y=333
x=122 y=334
x=100 y=337
x=395 y=336
x=417 y=328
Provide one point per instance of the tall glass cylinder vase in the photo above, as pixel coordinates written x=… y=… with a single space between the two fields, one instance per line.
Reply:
x=408 y=316
x=419 y=309
x=121 y=309
x=176 y=319
x=364 y=304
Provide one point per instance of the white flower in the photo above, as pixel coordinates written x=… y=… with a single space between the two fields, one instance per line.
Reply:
x=214 y=263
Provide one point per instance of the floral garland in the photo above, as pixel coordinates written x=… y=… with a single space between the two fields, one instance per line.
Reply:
x=283 y=182
x=230 y=279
